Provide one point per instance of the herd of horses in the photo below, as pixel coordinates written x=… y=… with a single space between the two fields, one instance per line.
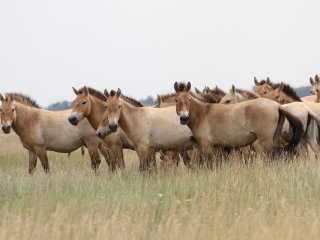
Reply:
x=201 y=127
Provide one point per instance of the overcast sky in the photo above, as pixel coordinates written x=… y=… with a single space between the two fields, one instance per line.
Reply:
x=144 y=46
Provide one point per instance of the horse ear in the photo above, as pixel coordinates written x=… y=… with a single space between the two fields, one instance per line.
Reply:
x=316 y=78
x=255 y=81
x=176 y=86
x=268 y=80
x=197 y=90
x=118 y=92
x=106 y=93
x=188 y=87
x=75 y=90
x=206 y=89
x=233 y=89
x=10 y=98
x=162 y=155
x=3 y=97
x=86 y=91
x=311 y=81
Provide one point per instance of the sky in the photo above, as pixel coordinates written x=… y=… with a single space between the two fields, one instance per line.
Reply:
x=144 y=46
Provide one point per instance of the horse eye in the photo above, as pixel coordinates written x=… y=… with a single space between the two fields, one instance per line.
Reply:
x=228 y=101
x=119 y=106
x=106 y=107
x=189 y=100
x=264 y=93
x=176 y=100
x=84 y=102
x=12 y=109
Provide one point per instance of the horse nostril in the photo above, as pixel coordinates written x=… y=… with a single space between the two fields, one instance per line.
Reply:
x=6 y=129
x=113 y=127
x=184 y=119
x=101 y=134
x=73 y=120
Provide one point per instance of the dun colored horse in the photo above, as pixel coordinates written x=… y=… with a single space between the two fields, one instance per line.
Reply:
x=304 y=113
x=41 y=131
x=89 y=104
x=147 y=127
x=235 y=125
x=315 y=90
x=263 y=86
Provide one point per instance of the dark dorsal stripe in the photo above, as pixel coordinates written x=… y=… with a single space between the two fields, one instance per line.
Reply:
x=24 y=99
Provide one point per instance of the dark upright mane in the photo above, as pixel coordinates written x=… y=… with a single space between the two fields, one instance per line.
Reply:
x=169 y=96
x=127 y=99
x=94 y=92
x=218 y=91
x=132 y=101
x=288 y=90
x=24 y=99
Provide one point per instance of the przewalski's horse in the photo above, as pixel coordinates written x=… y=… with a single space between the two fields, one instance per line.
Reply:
x=305 y=114
x=315 y=91
x=235 y=125
x=236 y=95
x=147 y=127
x=263 y=86
x=89 y=104
x=41 y=130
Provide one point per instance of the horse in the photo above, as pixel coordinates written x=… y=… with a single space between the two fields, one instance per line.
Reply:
x=236 y=95
x=262 y=87
x=41 y=130
x=315 y=90
x=235 y=125
x=306 y=115
x=89 y=105
x=147 y=127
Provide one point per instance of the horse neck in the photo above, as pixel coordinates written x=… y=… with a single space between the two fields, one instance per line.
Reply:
x=127 y=116
x=196 y=112
x=24 y=117
x=96 y=111
x=241 y=98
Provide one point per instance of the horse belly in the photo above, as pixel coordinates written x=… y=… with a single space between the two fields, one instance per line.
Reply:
x=164 y=139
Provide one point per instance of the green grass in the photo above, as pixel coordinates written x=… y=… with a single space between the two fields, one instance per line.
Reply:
x=280 y=200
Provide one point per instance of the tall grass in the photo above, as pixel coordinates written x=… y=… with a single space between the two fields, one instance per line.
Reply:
x=280 y=200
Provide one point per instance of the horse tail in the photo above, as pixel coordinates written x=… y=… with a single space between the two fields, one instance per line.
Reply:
x=297 y=129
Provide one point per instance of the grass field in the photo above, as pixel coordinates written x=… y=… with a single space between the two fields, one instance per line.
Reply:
x=280 y=200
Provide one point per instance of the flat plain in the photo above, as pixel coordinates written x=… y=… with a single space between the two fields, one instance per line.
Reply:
x=274 y=200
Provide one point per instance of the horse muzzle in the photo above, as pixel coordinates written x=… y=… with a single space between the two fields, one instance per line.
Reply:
x=6 y=129
x=184 y=120
x=113 y=127
x=101 y=133
x=73 y=120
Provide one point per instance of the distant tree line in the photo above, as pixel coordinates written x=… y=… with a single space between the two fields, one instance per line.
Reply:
x=302 y=91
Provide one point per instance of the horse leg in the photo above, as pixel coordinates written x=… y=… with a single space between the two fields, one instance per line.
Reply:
x=105 y=152
x=94 y=156
x=32 y=161
x=310 y=138
x=143 y=154
x=42 y=154
x=152 y=159
x=118 y=150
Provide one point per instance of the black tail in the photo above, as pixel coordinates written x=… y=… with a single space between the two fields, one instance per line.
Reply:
x=297 y=129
